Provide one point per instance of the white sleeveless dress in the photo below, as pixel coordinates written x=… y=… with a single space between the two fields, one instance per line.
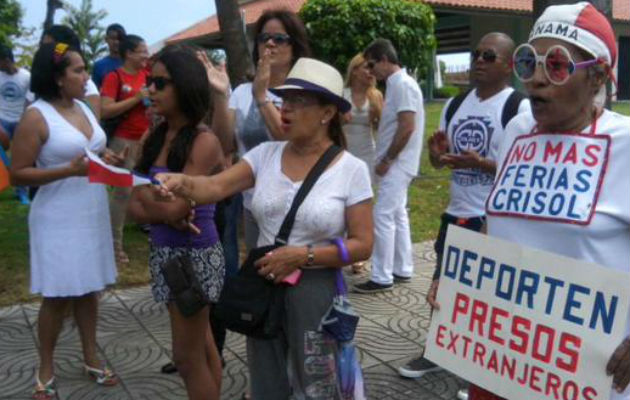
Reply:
x=71 y=245
x=359 y=134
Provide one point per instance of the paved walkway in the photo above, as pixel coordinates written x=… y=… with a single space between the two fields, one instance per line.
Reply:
x=134 y=338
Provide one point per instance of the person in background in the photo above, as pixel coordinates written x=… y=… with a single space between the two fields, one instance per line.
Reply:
x=470 y=133
x=398 y=149
x=362 y=121
x=71 y=257
x=563 y=74
x=64 y=34
x=14 y=97
x=338 y=205
x=180 y=143
x=114 y=35
x=250 y=115
x=125 y=95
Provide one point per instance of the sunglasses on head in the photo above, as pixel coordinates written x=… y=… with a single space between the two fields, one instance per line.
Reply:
x=488 y=56
x=159 y=82
x=557 y=63
x=276 y=38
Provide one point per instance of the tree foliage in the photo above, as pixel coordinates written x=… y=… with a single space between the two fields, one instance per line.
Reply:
x=339 y=29
x=10 y=18
x=87 y=24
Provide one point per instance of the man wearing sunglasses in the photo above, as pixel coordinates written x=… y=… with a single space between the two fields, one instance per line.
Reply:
x=471 y=129
x=398 y=148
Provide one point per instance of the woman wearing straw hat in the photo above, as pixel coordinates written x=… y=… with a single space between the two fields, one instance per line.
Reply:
x=564 y=66
x=300 y=363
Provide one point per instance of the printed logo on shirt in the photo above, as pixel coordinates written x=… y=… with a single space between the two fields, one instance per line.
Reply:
x=555 y=177
x=472 y=134
x=11 y=92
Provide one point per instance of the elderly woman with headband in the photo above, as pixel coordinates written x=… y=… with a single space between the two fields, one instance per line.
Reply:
x=565 y=64
x=338 y=205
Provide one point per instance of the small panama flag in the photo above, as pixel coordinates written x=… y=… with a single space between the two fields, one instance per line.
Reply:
x=100 y=172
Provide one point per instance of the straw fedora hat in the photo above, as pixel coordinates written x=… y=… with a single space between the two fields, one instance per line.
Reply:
x=318 y=77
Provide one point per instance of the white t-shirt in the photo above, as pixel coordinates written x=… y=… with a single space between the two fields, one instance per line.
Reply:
x=475 y=126
x=250 y=128
x=403 y=94
x=14 y=92
x=91 y=89
x=321 y=216
x=582 y=210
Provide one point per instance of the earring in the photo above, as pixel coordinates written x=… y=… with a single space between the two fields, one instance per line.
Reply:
x=323 y=122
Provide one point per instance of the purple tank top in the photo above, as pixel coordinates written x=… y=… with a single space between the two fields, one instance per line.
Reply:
x=165 y=236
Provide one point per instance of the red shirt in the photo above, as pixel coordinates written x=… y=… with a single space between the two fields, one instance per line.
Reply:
x=135 y=121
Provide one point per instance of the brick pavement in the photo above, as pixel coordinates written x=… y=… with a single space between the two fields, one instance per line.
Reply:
x=134 y=338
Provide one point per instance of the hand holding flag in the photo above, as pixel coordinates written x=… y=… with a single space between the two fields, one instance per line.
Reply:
x=100 y=172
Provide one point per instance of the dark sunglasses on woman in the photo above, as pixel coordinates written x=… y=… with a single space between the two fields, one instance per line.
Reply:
x=488 y=56
x=160 y=82
x=277 y=38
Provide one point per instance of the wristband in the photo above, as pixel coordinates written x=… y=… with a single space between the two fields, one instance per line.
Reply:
x=342 y=249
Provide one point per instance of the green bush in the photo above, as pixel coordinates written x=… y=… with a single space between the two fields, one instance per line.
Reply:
x=446 y=92
x=339 y=29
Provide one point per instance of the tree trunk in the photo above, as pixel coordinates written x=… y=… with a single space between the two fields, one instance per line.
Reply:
x=239 y=62
x=51 y=7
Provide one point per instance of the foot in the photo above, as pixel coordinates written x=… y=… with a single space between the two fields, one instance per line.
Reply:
x=462 y=394
x=401 y=279
x=417 y=367
x=45 y=391
x=104 y=376
x=372 y=287
x=169 y=368
x=358 y=267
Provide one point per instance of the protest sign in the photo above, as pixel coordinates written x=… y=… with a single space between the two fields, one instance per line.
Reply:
x=526 y=324
x=553 y=177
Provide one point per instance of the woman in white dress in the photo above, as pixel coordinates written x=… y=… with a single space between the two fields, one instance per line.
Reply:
x=71 y=250
x=362 y=121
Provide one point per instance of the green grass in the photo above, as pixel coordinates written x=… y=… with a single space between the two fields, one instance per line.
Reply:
x=428 y=197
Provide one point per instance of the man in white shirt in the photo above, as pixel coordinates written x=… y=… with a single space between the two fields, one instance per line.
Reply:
x=468 y=140
x=398 y=148
x=14 y=96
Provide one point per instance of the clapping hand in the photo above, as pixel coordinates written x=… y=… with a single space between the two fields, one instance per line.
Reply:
x=263 y=75
x=466 y=159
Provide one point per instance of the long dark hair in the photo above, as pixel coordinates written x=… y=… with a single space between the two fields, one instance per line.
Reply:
x=294 y=27
x=47 y=67
x=192 y=91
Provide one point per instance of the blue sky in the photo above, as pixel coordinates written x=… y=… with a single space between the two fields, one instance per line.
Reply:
x=153 y=20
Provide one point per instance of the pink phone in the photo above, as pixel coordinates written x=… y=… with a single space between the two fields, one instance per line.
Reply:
x=294 y=278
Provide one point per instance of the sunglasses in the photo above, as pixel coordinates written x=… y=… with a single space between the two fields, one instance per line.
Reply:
x=488 y=56
x=299 y=100
x=557 y=63
x=370 y=64
x=276 y=38
x=159 y=82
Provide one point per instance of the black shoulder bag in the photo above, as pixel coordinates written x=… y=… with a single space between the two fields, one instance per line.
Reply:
x=109 y=125
x=249 y=303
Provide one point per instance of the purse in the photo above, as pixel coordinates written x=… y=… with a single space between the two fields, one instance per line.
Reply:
x=249 y=303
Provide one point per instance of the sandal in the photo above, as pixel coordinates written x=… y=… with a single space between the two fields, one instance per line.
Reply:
x=358 y=267
x=46 y=391
x=104 y=377
x=121 y=257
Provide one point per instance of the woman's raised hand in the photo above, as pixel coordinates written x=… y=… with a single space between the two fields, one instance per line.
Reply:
x=219 y=80
x=263 y=76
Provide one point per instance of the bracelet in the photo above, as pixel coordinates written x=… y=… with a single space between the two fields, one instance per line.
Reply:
x=342 y=249
x=310 y=255
x=262 y=103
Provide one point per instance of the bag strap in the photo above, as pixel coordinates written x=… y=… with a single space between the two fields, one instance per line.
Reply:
x=453 y=106
x=510 y=109
x=285 y=229
x=119 y=90
x=342 y=290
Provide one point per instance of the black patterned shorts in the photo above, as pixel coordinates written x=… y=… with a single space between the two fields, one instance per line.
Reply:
x=208 y=263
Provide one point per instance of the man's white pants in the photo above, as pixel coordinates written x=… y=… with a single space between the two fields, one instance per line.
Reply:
x=392 y=238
